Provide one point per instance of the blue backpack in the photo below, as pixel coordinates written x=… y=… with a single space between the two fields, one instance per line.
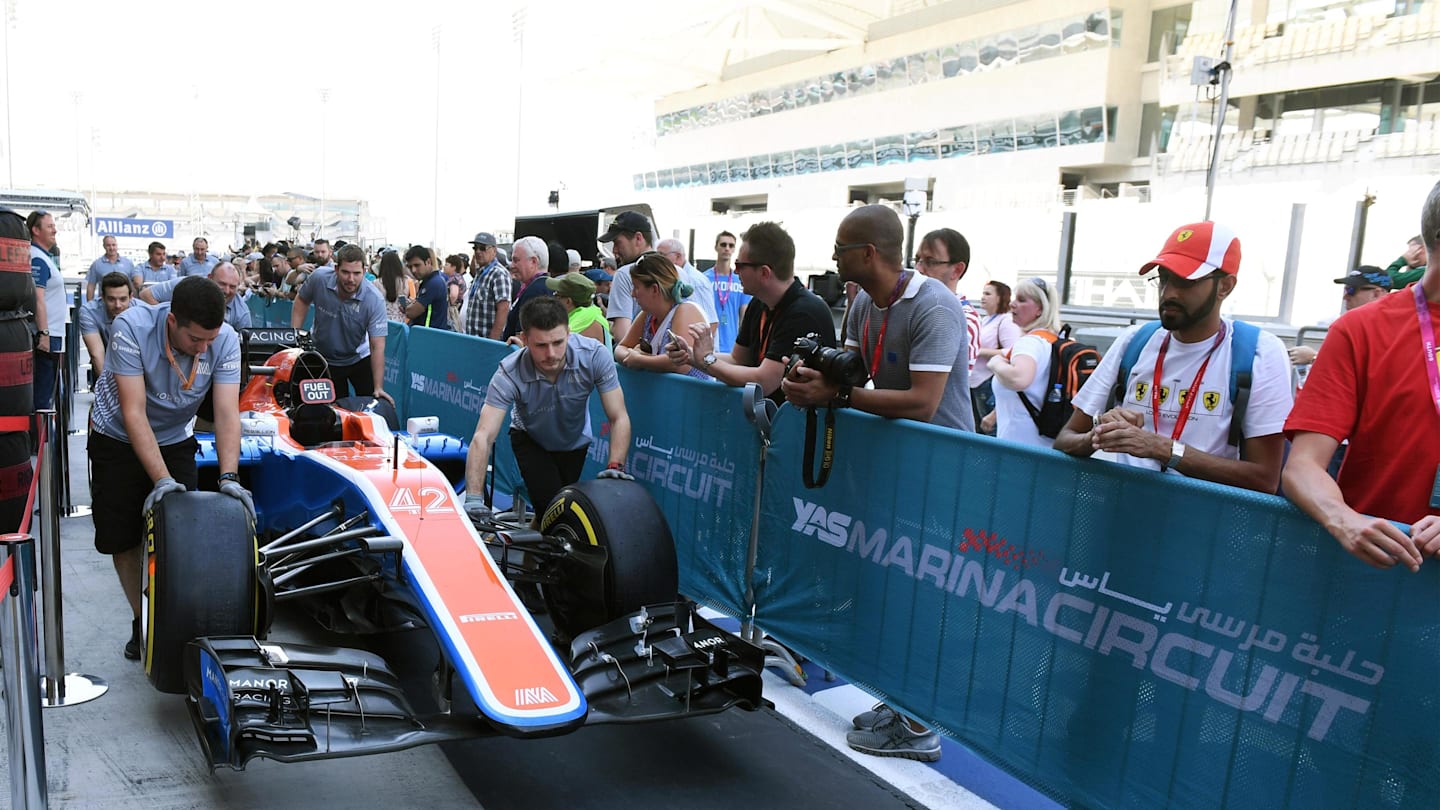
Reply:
x=1242 y=364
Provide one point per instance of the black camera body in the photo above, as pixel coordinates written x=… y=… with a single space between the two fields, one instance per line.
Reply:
x=844 y=367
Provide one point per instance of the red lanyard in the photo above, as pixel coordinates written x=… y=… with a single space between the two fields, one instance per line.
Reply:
x=884 y=324
x=521 y=294
x=1427 y=339
x=722 y=289
x=1158 y=383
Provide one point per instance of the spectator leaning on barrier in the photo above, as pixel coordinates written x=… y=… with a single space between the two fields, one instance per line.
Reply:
x=226 y=277
x=1377 y=380
x=1410 y=267
x=545 y=389
x=1024 y=371
x=914 y=345
x=98 y=316
x=529 y=267
x=782 y=311
x=666 y=311
x=487 y=303
x=998 y=334
x=349 y=313
x=915 y=351
x=199 y=262
x=730 y=296
x=1156 y=420
x=163 y=361
x=110 y=262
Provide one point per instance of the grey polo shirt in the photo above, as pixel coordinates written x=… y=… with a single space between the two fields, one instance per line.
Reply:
x=95 y=319
x=137 y=348
x=100 y=268
x=556 y=415
x=343 y=326
x=190 y=267
x=237 y=312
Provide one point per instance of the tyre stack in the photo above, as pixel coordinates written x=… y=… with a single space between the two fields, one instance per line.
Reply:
x=17 y=359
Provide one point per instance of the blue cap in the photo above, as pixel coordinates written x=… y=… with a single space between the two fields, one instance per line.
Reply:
x=598 y=275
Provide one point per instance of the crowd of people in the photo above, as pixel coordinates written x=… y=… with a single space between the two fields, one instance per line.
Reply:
x=1195 y=394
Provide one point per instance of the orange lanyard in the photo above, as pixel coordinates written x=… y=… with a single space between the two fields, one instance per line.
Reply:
x=884 y=324
x=194 y=367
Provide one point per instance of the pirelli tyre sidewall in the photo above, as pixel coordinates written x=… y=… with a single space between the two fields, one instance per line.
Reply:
x=621 y=517
x=199 y=579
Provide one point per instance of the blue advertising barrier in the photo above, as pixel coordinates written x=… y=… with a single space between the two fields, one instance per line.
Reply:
x=397 y=377
x=1113 y=636
x=695 y=452
x=265 y=312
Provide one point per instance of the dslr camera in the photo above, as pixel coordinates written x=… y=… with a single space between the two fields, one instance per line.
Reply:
x=844 y=367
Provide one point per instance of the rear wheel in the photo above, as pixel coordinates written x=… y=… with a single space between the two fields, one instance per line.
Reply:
x=621 y=518
x=200 y=564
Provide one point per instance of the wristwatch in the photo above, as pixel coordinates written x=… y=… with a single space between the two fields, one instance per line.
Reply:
x=708 y=360
x=229 y=476
x=1177 y=452
x=842 y=397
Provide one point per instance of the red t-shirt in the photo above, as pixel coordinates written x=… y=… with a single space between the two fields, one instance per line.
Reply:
x=1369 y=385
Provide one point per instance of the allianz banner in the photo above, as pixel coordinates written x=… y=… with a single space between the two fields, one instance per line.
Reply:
x=1113 y=636
x=694 y=450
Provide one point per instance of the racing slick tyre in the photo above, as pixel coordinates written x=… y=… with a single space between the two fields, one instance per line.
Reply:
x=640 y=569
x=199 y=579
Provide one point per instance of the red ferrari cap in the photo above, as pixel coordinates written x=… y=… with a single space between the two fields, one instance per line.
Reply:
x=1195 y=251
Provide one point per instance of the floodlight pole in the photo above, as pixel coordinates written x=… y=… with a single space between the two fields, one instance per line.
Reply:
x=1222 y=72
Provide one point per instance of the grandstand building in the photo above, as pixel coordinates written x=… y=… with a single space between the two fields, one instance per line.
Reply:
x=1011 y=115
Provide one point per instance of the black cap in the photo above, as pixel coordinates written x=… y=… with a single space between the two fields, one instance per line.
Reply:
x=627 y=222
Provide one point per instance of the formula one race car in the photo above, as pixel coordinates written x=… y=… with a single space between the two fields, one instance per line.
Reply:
x=361 y=522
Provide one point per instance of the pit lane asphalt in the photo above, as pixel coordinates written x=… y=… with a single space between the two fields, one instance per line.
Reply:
x=135 y=747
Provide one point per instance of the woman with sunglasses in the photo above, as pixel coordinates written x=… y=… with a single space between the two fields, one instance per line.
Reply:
x=664 y=313
x=1024 y=369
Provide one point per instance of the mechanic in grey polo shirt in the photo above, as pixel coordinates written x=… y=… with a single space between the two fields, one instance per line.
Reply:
x=350 y=324
x=111 y=262
x=227 y=277
x=163 y=361
x=545 y=387
x=117 y=292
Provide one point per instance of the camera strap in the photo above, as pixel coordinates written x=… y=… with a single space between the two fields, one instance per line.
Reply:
x=827 y=457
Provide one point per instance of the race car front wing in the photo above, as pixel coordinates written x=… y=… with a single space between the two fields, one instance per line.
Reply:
x=249 y=698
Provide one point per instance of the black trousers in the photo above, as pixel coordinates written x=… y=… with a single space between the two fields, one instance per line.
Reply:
x=546 y=472
x=359 y=375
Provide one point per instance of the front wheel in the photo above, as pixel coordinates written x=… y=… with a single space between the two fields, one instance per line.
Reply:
x=620 y=518
x=199 y=579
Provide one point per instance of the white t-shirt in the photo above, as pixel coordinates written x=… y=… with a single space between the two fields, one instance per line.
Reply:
x=1012 y=421
x=1208 y=429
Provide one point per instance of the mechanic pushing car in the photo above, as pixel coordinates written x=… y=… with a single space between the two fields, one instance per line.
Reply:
x=161 y=362
x=347 y=311
x=545 y=387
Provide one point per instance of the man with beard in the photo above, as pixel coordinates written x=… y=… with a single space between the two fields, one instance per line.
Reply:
x=1174 y=410
x=544 y=388
x=347 y=312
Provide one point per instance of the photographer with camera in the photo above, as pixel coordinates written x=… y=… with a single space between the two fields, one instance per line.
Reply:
x=785 y=312
x=913 y=347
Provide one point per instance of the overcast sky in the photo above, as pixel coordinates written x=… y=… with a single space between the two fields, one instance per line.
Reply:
x=196 y=96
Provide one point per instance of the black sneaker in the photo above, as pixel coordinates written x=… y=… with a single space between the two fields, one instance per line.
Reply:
x=132 y=647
